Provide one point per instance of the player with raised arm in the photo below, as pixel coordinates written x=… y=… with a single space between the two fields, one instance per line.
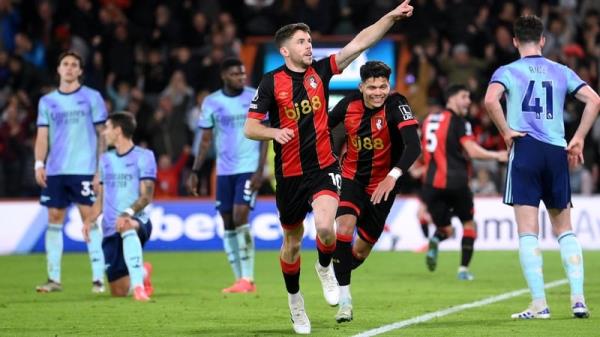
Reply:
x=295 y=97
x=240 y=165
x=533 y=129
x=127 y=175
x=382 y=142
x=446 y=138
x=67 y=147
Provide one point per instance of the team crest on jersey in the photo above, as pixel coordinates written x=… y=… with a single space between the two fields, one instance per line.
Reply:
x=379 y=123
x=312 y=82
x=406 y=112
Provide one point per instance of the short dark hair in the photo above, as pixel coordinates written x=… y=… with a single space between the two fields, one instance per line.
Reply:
x=528 y=28
x=124 y=120
x=374 y=69
x=454 y=89
x=285 y=33
x=230 y=62
x=72 y=54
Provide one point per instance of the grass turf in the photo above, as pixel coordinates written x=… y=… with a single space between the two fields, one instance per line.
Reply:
x=389 y=287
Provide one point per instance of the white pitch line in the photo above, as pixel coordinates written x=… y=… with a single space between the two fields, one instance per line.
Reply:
x=451 y=310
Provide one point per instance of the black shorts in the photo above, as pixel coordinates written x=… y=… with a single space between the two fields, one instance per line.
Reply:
x=112 y=246
x=294 y=195
x=370 y=218
x=442 y=204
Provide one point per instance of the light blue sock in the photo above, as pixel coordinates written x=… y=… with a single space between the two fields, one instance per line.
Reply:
x=132 y=252
x=96 y=253
x=531 y=264
x=54 y=249
x=230 y=243
x=572 y=259
x=246 y=248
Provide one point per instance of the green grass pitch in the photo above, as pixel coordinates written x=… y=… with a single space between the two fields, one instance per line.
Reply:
x=389 y=287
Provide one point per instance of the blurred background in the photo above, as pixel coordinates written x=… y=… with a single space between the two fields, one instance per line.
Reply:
x=159 y=59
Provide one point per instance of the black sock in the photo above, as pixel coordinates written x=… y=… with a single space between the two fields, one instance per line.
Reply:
x=440 y=234
x=466 y=245
x=325 y=252
x=291 y=275
x=356 y=262
x=342 y=262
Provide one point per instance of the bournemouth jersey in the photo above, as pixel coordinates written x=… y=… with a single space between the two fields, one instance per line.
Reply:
x=298 y=101
x=441 y=139
x=373 y=140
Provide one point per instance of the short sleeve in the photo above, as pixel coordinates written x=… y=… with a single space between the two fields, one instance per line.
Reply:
x=206 y=120
x=574 y=82
x=402 y=115
x=42 y=118
x=326 y=68
x=263 y=99
x=501 y=76
x=338 y=113
x=147 y=166
x=99 y=113
x=463 y=129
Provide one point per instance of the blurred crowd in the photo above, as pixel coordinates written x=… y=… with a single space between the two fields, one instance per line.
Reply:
x=158 y=59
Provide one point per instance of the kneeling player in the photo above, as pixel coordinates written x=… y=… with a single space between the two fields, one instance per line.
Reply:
x=381 y=142
x=127 y=175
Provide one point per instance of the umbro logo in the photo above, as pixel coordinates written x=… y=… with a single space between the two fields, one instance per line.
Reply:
x=129 y=164
x=44 y=198
x=81 y=102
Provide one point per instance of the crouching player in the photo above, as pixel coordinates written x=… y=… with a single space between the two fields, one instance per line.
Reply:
x=127 y=175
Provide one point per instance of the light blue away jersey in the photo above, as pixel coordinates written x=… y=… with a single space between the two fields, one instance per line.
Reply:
x=120 y=176
x=70 y=118
x=226 y=115
x=536 y=89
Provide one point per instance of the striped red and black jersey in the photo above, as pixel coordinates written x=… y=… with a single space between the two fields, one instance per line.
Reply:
x=374 y=143
x=442 y=136
x=298 y=101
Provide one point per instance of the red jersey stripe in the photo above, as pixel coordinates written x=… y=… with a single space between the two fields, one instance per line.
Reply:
x=325 y=192
x=352 y=122
x=316 y=94
x=381 y=162
x=290 y=151
x=440 y=155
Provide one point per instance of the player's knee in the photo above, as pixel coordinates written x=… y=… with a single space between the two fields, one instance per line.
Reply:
x=118 y=291
x=361 y=253
x=56 y=216
x=344 y=228
x=327 y=235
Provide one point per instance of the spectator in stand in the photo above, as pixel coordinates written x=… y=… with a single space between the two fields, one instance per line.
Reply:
x=168 y=176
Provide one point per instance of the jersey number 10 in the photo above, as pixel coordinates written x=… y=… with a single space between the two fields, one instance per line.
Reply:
x=537 y=107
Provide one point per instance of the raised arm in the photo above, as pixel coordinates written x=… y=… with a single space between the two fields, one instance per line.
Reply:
x=370 y=35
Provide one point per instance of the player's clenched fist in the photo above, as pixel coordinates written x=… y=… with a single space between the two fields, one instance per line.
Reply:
x=404 y=10
x=283 y=136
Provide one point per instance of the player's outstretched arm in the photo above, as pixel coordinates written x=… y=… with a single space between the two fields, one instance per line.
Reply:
x=40 y=153
x=476 y=151
x=192 y=183
x=492 y=104
x=93 y=214
x=592 y=103
x=370 y=35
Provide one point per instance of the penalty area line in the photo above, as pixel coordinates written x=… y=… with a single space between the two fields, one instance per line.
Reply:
x=451 y=310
